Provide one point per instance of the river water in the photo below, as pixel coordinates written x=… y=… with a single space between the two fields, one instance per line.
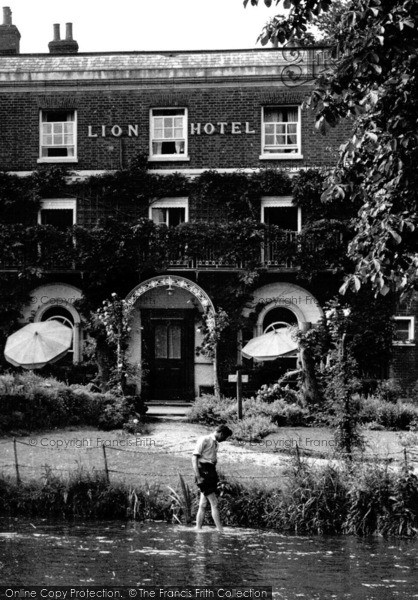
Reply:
x=41 y=552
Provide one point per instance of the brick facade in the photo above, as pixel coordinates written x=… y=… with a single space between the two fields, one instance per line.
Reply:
x=223 y=92
x=405 y=356
x=19 y=123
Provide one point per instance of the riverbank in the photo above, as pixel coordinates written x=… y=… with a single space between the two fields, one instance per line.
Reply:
x=94 y=474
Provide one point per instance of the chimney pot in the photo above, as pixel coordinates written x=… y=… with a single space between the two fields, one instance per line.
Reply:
x=69 y=31
x=9 y=34
x=7 y=16
x=65 y=46
x=57 y=35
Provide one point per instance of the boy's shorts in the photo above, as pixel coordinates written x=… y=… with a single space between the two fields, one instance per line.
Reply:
x=209 y=484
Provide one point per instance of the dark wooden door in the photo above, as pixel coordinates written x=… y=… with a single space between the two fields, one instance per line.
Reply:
x=169 y=352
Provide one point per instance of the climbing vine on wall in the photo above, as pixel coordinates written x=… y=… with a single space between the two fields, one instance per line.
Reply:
x=115 y=242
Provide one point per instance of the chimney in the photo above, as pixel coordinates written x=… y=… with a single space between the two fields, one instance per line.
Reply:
x=9 y=34
x=67 y=46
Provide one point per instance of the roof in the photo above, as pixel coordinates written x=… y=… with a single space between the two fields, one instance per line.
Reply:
x=182 y=65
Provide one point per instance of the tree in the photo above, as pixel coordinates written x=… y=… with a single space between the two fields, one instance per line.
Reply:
x=373 y=81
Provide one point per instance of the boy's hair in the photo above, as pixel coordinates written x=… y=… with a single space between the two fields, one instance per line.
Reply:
x=224 y=430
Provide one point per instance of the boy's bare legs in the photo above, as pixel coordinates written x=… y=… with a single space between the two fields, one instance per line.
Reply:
x=215 y=512
x=201 y=511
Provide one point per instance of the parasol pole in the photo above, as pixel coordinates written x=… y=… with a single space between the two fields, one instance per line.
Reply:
x=239 y=373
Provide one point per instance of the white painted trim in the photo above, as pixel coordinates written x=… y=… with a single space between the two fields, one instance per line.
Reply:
x=57 y=159
x=280 y=156
x=169 y=158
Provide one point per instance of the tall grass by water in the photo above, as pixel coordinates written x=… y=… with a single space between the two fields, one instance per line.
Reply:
x=333 y=499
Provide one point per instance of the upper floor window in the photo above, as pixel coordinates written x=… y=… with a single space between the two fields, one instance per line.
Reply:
x=169 y=211
x=58 y=136
x=282 y=212
x=281 y=132
x=59 y=213
x=404 y=330
x=168 y=138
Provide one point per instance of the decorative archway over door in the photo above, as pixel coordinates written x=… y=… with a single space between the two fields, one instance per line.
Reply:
x=170 y=281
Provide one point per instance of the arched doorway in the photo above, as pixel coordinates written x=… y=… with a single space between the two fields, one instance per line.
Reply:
x=167 y=318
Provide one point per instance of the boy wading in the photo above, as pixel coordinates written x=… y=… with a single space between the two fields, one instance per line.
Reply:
x=204 y=466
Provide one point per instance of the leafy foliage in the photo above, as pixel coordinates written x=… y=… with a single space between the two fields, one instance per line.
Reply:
x=259 y=417
x=374 y=82
x=29 y=402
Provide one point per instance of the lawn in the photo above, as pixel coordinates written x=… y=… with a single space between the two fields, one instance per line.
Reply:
x=157 y=456
x=164 y=451
x=319 y=441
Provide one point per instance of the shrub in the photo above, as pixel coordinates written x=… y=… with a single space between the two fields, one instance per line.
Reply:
x=211 y=410
x=120 y=411
x=413 y=392
x=280 y=412
x=29 y=402
x=389 y=390
x=400 y=416
x=252 y=428
x=277 y=391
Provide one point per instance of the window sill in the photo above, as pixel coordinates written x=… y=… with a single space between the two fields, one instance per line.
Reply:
x=57 y=159
x=404 y=344
x=280 y=156
x=168 y=158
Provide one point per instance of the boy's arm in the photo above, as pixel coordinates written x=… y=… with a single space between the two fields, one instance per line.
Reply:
x=195 y=463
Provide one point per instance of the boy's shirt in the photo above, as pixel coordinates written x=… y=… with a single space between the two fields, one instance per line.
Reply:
x=207 y=449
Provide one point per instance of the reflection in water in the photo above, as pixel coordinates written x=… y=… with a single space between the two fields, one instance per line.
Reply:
x=116 y=553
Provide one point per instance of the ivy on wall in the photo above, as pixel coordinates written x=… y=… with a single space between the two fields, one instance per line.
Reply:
x=118 y=244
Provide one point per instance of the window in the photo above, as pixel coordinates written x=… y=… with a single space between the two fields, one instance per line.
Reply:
x=59 y=213
x=404 y=331
x=64 y=317
x=58 y=136
x=168 y=140
x=281 y=212
x=281 y=134
x=279 y=317
x=169 y=211
x=168 y=340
